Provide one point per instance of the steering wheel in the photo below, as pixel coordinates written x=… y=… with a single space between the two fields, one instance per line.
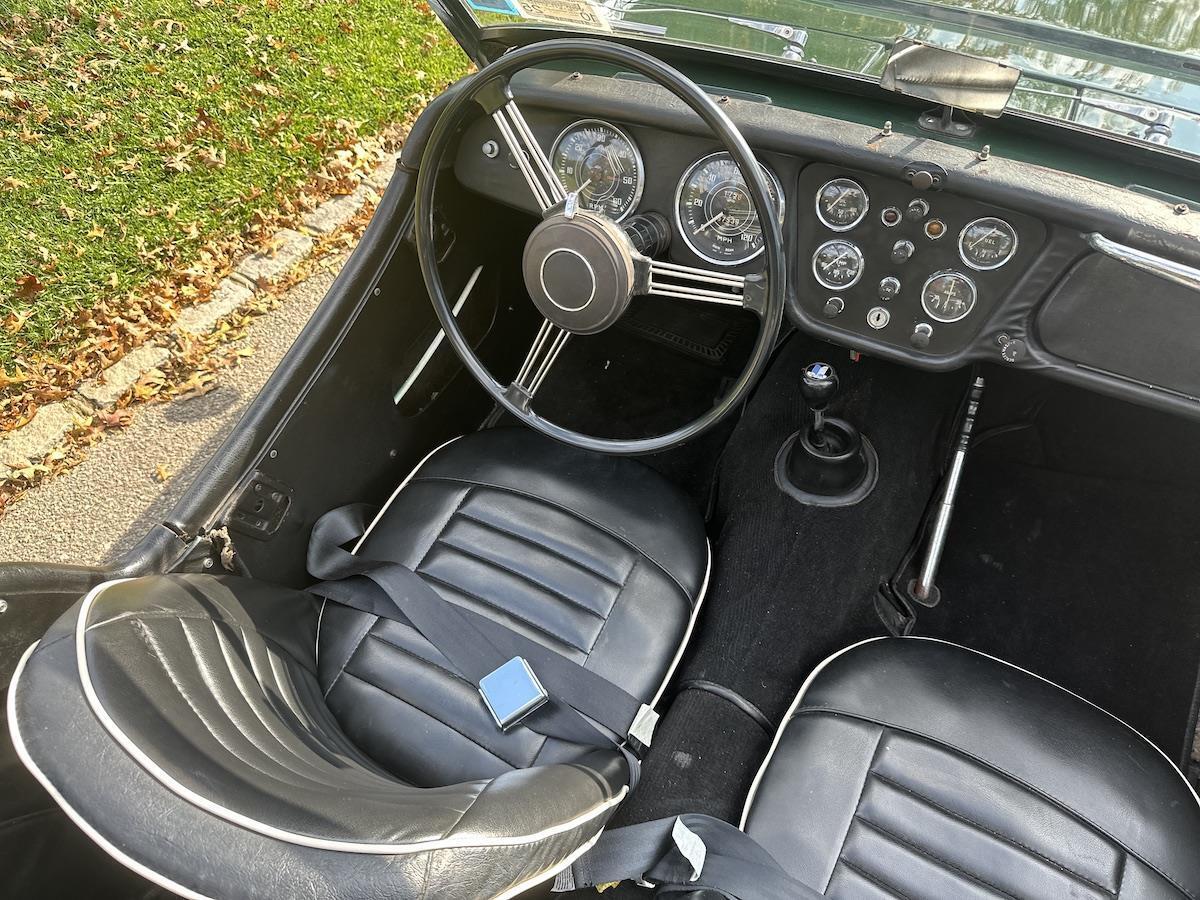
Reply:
x=580 y=267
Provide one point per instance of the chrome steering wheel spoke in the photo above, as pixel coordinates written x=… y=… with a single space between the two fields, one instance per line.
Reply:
x=665 y=279
x=547 y=344
x=497 y=100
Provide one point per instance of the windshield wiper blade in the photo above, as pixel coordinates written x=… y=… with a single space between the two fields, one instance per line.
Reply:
x=794 y=37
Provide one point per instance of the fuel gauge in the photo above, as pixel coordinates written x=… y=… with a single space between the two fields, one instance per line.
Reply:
x=987 y=243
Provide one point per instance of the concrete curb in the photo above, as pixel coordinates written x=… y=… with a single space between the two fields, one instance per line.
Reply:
x=45 y=431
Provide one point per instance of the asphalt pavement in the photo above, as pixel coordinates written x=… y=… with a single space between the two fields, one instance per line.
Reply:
x=106 y=504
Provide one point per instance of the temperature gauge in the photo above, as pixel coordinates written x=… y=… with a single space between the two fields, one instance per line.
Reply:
x=837 y=264
x=948 y=296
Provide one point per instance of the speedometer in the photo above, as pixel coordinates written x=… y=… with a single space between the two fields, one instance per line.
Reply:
x=715 y=214
x=602 y=163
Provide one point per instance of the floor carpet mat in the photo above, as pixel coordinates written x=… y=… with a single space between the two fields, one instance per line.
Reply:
x=793 y=583
x=1072 y=558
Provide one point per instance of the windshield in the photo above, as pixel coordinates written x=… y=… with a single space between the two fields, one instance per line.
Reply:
x=1128 y=67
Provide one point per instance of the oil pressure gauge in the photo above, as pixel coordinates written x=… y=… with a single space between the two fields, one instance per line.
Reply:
x=837 y=264
x=948 y=296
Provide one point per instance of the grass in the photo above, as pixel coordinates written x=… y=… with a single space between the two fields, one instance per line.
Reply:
x=134 y=132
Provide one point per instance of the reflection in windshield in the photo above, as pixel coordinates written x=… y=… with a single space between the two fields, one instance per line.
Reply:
x=1128 y=67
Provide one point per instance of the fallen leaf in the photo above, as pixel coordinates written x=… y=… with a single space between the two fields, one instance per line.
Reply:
x=162 y=473
x=117 y=418
x=28 y=287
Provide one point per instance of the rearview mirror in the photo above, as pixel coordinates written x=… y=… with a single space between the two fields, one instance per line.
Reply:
x=948 y=77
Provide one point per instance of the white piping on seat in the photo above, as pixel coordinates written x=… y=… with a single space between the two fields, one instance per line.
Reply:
x=216 y=809
x=378 y=516
x=107 y=846
x=691 y=625
x=815 y=672
x=396 y=493
x=787 y=717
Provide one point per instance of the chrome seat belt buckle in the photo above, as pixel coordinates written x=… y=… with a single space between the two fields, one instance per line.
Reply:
x=511 y=692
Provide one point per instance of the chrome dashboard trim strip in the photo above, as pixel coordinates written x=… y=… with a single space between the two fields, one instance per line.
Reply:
x=1167 y=269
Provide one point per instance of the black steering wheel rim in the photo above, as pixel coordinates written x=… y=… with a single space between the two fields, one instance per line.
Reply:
x=770 y=310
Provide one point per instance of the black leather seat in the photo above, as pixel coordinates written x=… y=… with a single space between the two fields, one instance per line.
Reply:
x=229 y=738
x=914 y=768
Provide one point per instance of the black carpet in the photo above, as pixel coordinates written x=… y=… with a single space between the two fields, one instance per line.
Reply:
x=791 y=583
x=1073 y=553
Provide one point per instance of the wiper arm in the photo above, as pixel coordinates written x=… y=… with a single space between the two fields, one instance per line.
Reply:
x=1159 y=122
x=795 y=37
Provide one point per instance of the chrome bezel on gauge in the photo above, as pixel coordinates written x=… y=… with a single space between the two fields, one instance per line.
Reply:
x=962 y=254
x=937 y=317
x=858 y=254
x=639 y=183
x=685 y=232
x=852 y=183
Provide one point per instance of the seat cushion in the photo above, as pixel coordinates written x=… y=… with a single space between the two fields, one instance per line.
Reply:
x=179 y=722
x=915 y=768
x=599 y=559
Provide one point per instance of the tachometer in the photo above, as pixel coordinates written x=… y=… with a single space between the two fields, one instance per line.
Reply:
x=838 y=264
x=948 y=296
x=715 y=214
x=842 y=204
x=987 y=243
x=603 y=164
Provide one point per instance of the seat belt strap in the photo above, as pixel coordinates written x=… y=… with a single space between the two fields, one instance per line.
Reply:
x=475 y=645
x=681 y=854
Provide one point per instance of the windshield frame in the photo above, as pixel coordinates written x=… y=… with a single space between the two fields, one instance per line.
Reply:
x=479 y=41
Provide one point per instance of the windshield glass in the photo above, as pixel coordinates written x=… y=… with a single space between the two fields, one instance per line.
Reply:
x=1129 y=67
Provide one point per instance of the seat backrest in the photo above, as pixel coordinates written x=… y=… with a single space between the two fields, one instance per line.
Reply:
x=209 y=685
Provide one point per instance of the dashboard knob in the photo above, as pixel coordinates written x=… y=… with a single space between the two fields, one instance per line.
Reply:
x=834 y=307
x=889 y=287
x=921 y=335
x=902 y=251
x=917 y=210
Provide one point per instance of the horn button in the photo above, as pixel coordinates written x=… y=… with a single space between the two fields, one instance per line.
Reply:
x=579 y=271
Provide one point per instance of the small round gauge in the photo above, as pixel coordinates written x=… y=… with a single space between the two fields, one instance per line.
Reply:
x=603 y=164
x=987 y=243
x=837 y=264
x=715 y=214
x=948 y=296
x=842 y=204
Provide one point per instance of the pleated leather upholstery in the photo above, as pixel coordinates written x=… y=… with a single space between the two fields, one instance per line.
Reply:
x=599 y=559
x=918 y=769
x=186 y=723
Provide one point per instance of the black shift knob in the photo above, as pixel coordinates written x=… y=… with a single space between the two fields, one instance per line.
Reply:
x=818 y=386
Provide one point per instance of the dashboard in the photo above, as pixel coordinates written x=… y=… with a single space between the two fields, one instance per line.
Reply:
x=907 y=248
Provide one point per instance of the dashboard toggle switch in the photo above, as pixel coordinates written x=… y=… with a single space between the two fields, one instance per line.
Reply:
x=902 y=251
x=917 y=210
x=833 y=307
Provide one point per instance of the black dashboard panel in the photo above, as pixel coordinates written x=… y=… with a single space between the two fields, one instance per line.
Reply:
x=1053 y=213
x=896 y=318
x=665 y=157
x=1116 y=319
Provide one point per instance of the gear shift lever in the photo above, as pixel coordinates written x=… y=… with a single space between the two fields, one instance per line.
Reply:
x=826 y=463
x=818 y=387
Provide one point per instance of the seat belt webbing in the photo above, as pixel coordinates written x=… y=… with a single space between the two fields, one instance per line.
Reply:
x=473 y=644
x=682 y=854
